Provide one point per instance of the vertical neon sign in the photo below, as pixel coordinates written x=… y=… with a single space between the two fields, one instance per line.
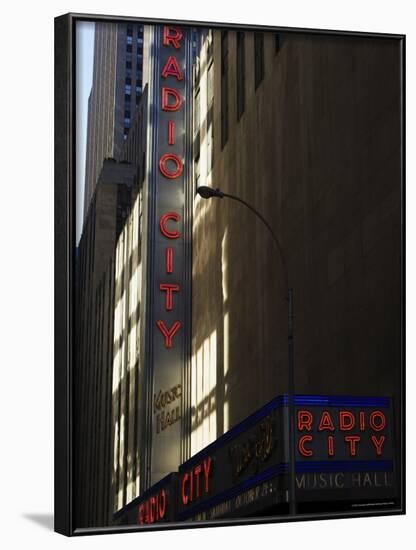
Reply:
x=168 y=257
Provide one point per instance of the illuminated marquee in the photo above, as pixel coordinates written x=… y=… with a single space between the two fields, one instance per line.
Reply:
x=353 y=428
x=195 y=481
x=344 y=453
x=153 y=509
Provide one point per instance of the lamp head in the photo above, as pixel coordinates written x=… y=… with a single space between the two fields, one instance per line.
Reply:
x=208 y=192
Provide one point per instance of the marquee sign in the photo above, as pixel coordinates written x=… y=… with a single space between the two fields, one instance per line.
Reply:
x=344 y=447
x=168 y=257
x=240 y=470
x=344 y=454
x=155 y=506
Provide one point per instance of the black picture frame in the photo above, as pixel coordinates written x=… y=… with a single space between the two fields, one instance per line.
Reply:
x=65 y=145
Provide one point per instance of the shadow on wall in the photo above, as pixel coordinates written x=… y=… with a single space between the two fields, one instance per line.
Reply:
x=44 y=520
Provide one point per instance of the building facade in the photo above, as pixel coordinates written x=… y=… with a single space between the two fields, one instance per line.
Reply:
x=116 y=90
x=306 y=129
x=112 y=183
x=189 y=310
x=110 y=205
x=284 y=122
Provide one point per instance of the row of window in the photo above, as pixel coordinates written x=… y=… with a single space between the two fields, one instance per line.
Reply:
x=139 y=73
x=209 y=115
x=130 y=30
x=129 y=75
x=241 y=74
x=129 y=66
x=127 y=90
x=139 y=55
x=139 y=40
x=129 y=48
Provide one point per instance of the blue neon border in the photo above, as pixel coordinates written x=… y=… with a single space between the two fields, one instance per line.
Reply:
x=247 y=423
x=282 y=468
x=271 y=472
x=281 y=401
x=317 y=466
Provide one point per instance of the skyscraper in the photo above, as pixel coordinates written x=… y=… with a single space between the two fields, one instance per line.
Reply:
x=110 y=190
x=116 y=90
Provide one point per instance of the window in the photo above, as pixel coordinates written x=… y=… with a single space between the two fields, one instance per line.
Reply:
x=129 y=31
x=138 y=89
x=128 y=64
x=196 y=69
x=210 y=51
x=258 y=58
x=276 y=42
x=127 y=122
x=126 y=115
x=210 y=139
x=241 y=74
x=196 y=173
x=129 y=39
x=210 y=117
x=129 y=48
x=210 y=83
x=197 y=112
x=127 y=88
x=128 y=56
x=128 y=79
x=224 y=88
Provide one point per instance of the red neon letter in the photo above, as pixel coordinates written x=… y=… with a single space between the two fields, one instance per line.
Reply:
x=168 y=334
x=378 y=443
x=326 y=422
x=162 y=503
x=380 y=426
x=170 y=289
x=305 y=419
x=162 y=224
x=152 y=509
x=169 y=260
x=352 y=440
x=176 y=105
x=330 y=445
x=172 y=35
x=171 y=133
x=185 y=497
x=164 y=169
x=141 y=514
x=207 y=471
x=362 y=421
x=301 y=445
x=197 y=471
x=172 y=68
x=346 y=421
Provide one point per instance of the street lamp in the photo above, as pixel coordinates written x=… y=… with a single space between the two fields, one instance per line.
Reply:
x=207 y=193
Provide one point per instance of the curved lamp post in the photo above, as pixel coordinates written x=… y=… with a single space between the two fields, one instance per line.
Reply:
x=207 y=193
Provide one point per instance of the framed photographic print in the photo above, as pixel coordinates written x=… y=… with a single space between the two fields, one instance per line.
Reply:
x=229 y=284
